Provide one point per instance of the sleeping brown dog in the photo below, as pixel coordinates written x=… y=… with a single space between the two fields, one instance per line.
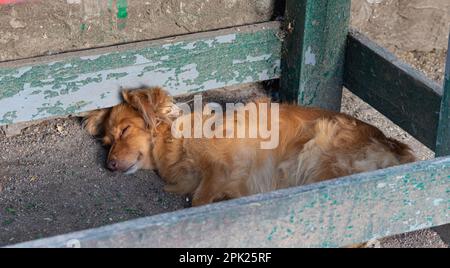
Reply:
x=314 y=145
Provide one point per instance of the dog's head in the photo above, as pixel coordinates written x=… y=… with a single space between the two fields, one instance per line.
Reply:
x=129 y=128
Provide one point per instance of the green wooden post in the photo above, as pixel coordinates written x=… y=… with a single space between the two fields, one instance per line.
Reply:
x=443 y=134
x=397 y=90
x=313 y=52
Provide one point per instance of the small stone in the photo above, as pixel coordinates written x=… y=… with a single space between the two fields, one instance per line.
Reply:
x=373 y=243
x=59 y=128
x=13 y=130
x=16 y=24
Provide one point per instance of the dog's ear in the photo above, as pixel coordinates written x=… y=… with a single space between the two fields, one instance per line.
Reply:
x=154 y=104
x=93 y=123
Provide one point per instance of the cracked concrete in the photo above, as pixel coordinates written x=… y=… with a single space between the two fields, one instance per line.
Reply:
x=46 y=27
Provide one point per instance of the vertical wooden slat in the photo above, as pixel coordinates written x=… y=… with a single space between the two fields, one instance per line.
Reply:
x=443 y=134
x=313 y=52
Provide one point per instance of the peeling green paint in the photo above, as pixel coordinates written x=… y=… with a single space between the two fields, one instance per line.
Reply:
x=122 y=13
x=115 y=76
x=274 y=230
x=314 y=51
x=50 y=94
x=292 y=217
x=8 y=118
x=59 y=109
x=420 y=186
x=195 y=64
x=122 y=7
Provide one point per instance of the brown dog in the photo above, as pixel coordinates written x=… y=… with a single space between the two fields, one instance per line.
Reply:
x=314 y=145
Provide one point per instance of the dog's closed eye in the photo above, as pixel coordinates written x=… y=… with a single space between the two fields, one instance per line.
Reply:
x=124 y=131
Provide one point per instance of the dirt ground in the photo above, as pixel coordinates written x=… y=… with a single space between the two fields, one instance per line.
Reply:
x=53 y=181
x=404 y=25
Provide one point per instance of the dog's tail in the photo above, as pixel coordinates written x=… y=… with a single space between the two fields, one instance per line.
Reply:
x=402 y=151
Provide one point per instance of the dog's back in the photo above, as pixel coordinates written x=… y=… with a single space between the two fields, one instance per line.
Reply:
x=314 y=145
x=317 y=145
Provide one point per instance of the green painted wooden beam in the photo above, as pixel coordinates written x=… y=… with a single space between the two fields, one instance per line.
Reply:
x=394 y=88
x=329 y=214
x=443 y=133
x=82 y=81
x=314 y=51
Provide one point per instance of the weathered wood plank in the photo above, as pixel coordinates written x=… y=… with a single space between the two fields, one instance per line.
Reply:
x=82 y=81
x=313 y=52
x=329 y=214
x=392 y=87
x=443 y=133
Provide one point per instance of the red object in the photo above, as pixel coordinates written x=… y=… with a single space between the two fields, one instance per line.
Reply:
x=4 y=2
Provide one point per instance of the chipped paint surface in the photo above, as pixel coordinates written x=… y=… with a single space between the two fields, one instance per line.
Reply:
x=443 y=133
x=310 y=58
x=79 y=84
x=334 y=213
x=313 y=73
x=122 y=6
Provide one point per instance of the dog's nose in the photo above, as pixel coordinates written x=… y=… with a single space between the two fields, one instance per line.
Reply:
x=112 y=165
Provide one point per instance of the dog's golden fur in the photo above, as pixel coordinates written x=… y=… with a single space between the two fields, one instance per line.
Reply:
x=314 y=145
